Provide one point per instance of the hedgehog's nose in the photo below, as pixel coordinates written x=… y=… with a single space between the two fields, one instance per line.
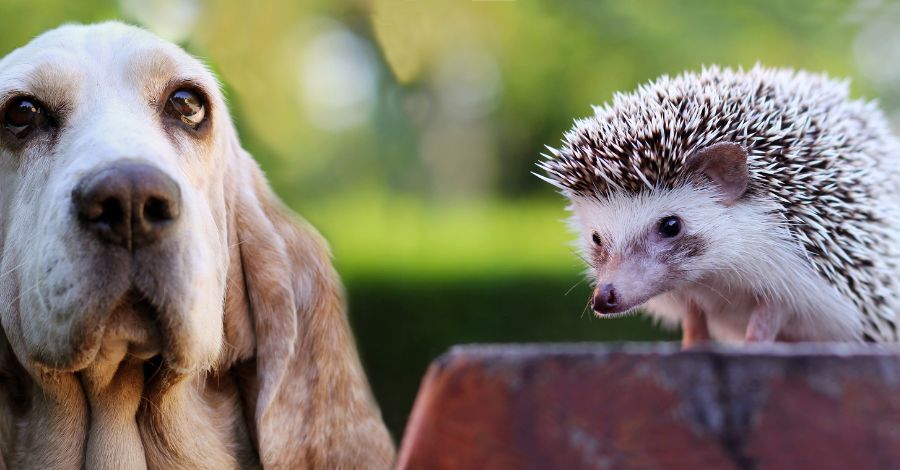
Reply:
x=606 y=299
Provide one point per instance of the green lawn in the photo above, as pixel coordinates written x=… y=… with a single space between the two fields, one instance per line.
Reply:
x=375 y=236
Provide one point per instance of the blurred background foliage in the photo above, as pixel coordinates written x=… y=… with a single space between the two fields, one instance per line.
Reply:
x=406 y=131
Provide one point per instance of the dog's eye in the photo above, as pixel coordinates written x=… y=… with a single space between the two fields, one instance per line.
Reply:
x=187 y=106
x=23 y=115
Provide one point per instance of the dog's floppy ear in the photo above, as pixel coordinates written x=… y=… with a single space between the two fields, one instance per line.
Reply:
x=306 y=399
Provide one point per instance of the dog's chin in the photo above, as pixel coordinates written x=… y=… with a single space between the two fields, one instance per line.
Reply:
x=133 y=325
x=128 y=328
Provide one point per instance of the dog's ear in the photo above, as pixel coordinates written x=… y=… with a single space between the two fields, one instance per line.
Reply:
x=306 y=398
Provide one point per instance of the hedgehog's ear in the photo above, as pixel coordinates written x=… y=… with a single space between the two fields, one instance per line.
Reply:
x=725 y=165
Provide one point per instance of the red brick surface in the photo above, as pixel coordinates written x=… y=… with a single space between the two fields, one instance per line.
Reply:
x=652 y=407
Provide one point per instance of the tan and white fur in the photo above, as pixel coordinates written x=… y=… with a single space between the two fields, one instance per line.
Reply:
x=222 y=345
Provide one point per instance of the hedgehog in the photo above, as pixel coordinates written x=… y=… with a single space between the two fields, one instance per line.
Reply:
x=744 y=206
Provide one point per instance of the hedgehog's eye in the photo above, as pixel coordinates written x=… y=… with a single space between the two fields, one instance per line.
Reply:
x=595 y=237
x=670 y=226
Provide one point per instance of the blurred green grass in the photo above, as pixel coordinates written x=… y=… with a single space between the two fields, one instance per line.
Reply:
x=406 y=238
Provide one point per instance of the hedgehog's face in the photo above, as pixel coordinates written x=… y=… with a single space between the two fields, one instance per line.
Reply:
x=645 y=244
x=640 y=246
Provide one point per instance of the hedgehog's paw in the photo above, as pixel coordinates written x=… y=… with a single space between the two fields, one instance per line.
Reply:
x=694 y=329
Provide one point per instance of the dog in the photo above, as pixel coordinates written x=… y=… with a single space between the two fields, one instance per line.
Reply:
x=160 y=307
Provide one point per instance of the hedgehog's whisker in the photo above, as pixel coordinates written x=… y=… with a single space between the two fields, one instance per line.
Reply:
x=585 y=309
x=574 y=286
x=716 y=291
x=580 y=256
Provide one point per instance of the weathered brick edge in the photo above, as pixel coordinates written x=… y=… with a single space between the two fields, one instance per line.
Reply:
x=654 y=407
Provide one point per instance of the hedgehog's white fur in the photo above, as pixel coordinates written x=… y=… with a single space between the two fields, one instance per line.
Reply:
x=816 y=233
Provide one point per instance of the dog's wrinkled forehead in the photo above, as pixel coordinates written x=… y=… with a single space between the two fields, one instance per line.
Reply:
x=109 y=58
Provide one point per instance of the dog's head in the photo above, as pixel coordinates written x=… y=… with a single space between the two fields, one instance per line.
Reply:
x=134 y=226
x=114 y=150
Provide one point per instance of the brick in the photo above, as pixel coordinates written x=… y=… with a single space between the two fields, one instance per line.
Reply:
x=653 y=407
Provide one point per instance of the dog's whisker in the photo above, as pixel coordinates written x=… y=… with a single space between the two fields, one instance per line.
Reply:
x=12 y=270
x=26 y=291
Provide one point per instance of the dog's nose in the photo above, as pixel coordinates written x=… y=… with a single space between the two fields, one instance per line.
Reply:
x=605 y=298
x=129 y=204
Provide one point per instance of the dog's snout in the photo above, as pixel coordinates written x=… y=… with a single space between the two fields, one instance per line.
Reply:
x=129 y=204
